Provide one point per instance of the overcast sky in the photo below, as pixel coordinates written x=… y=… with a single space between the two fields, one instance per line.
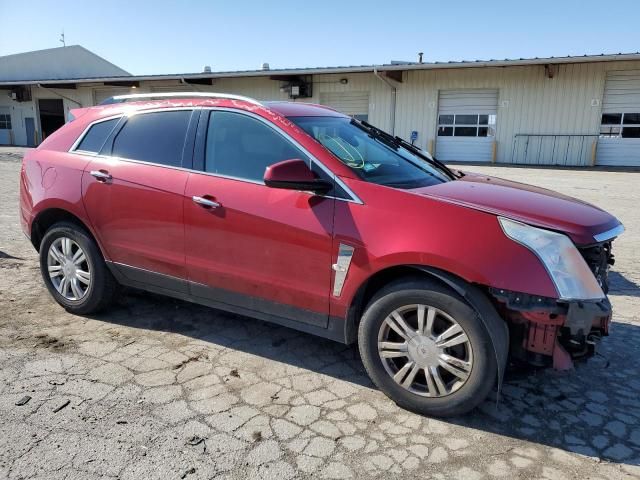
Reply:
x=160 y=36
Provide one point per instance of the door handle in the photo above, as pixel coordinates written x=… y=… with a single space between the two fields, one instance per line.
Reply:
x=101 y=175
x=205 y=202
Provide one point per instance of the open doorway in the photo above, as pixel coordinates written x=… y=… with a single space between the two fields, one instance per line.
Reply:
x=51 y=115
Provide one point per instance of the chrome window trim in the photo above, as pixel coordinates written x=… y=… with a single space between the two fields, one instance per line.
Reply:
x=354 y=198
x=609 y=234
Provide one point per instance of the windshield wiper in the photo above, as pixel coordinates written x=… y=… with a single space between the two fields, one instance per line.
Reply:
x=395 y=142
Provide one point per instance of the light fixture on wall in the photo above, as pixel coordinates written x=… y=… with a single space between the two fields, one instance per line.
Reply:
x=549 y=70
x=344 y=81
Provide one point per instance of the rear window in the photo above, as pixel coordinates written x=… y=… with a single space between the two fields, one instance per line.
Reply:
x=97 y=135
x=153 y=137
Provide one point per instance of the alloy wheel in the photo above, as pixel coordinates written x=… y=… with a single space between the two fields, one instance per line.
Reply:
x=425 y=350
x=68 y=268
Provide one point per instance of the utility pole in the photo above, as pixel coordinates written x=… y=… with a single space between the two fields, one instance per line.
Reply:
x=64 y=44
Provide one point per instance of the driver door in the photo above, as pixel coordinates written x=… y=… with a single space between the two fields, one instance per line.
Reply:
x=260 y=249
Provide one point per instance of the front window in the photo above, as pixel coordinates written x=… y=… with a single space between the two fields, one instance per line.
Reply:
x=373 y=158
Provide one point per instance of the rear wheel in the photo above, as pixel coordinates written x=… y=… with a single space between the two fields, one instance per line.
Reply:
x=426 y=349
x=74 y=271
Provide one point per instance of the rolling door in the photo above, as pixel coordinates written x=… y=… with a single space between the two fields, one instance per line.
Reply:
x=619 y=142
x=466 y=125
x=354 y=104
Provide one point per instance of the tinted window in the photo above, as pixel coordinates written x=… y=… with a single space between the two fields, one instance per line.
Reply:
x=631 y=132
x=465 y=131
x=153 y=137
x=96 y=136
x=631 y=118
x=445 y=131
x=466 y=119
x=611 y=118
x=243 y=147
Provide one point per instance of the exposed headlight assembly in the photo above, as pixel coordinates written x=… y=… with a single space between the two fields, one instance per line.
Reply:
x=566 y=267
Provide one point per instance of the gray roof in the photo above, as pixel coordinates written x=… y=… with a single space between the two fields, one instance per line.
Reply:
x=62 y=63
x=395 y=66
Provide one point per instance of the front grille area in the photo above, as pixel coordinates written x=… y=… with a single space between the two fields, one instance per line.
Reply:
x=599 y=258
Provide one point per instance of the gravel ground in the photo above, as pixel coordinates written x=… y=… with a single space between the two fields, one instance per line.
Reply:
x=158 y=388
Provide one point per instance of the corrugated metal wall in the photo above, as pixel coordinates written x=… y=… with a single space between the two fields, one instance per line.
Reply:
x=528 y=102
x=265 y=89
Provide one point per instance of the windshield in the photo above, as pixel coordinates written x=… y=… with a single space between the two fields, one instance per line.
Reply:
x=373 y=155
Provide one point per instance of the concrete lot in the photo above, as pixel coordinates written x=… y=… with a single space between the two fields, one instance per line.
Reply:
x=158 y=388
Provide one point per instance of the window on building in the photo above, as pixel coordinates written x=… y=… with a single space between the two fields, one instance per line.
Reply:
x=5 y=121
x=466 y=125
x=243 y=147
x=620 y=125
x=96 y=136
x=153 y=137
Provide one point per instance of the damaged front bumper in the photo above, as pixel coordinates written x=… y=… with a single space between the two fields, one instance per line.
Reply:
x=548 y=332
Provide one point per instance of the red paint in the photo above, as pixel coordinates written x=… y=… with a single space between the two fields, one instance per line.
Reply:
x=294 y=170
x=280 y=244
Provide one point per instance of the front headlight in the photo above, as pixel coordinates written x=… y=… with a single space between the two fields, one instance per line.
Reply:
x=568 y=270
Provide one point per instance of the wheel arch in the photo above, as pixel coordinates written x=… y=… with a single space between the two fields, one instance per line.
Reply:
x=470 y=293
x=50 y=216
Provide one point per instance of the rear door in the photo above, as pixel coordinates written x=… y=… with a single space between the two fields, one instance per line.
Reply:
x=133 y=194
x=261 y=249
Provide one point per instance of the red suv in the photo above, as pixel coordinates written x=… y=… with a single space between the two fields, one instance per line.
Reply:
x=299 y=215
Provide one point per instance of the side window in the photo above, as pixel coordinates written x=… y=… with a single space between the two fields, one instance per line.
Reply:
x=157 y=137
x=96 y=136
x=242 y=147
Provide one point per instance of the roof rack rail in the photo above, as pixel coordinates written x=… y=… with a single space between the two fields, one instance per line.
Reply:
x=161 y=96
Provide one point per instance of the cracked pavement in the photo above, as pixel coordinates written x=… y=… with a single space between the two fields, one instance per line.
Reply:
x=159 y=388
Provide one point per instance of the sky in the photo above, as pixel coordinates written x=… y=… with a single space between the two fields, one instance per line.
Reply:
x=155 y=37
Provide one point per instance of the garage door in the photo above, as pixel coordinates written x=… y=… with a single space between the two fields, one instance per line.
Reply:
x=100 y=95
x=619 y=142
x=354 y=104
x=5 y=126
x=466 y=125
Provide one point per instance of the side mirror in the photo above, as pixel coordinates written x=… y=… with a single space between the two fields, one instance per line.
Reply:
x=295 y=174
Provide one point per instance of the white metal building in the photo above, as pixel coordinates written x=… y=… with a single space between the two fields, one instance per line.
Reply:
x=576 y=111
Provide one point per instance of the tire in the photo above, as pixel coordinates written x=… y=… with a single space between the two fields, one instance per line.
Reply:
x=88 y=286
x=455 y=394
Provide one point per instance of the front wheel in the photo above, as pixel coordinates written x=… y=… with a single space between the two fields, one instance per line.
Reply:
x=74 y=271
x=426 y=349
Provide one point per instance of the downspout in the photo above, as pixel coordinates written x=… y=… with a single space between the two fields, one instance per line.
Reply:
x=394 y=91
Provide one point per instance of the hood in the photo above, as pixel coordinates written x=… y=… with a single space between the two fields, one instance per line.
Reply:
x=528 y=204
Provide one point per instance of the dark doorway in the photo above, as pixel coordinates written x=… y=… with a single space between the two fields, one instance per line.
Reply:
x=51 y=115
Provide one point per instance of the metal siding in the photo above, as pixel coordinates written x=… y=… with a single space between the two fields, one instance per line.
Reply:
x=535 y=104
x=100 y=95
